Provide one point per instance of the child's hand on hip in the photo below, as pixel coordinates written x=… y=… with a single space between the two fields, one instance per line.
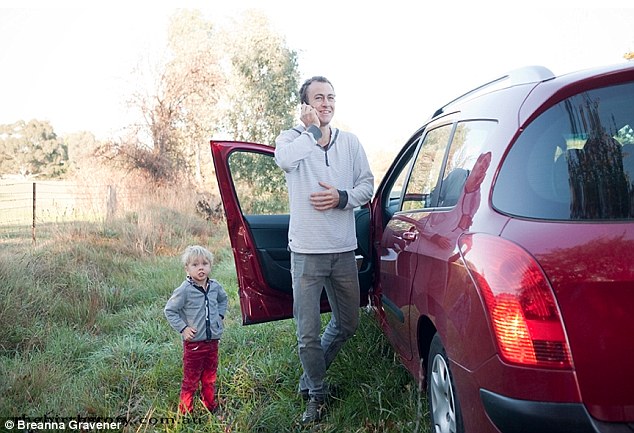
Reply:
x=189 y=333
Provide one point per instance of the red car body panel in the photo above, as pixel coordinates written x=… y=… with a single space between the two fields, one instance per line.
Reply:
x=591 y=269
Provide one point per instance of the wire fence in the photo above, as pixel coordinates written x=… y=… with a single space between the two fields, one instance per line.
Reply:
x=26 y=206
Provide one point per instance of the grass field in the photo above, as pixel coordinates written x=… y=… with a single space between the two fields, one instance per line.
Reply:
x=84 y=336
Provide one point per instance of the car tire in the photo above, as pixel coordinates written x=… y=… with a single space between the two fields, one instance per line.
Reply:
x=444 y=407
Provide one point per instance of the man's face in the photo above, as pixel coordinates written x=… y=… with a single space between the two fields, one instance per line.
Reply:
x=321 y=96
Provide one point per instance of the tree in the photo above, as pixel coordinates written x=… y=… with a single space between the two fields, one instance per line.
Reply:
x=32 y=149
x=196 y=60
x=81 y=150
x=261 y=101
x=240 y=82
x=178 y=110
x=262 y=95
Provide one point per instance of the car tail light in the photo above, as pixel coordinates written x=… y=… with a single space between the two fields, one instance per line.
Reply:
x=520 y=302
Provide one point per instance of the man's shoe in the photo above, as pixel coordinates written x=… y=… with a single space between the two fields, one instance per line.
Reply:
x=314 y=411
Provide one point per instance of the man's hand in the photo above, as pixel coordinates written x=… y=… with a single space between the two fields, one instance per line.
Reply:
x=324 y=200
x=309 y=116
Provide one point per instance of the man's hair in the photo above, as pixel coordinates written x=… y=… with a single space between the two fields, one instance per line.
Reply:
x=194 y=251
x=303 y=96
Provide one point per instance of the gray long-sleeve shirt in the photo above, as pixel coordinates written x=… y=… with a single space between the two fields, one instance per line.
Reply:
x=190 y=305
x=342 y=164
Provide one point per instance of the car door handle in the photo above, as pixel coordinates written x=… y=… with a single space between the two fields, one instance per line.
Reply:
x=410 y=235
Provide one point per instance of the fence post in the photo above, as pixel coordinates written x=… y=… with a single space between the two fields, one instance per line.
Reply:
x=111 y=206
x=33 y=226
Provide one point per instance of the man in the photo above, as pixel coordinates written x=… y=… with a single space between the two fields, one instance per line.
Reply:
x=328 y=175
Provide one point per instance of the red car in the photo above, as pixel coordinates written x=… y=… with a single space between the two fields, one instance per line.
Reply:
x=497 y=253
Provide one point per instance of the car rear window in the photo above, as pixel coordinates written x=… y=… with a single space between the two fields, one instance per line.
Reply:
x=575 y=161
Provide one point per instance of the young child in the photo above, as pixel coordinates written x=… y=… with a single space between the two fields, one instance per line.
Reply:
x=196 y=310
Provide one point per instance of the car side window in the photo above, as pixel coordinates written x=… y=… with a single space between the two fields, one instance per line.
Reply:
x=573 y=161
x=466 y=145
x=426 y=170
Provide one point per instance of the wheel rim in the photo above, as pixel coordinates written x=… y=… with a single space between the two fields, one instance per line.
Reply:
x=442 y=398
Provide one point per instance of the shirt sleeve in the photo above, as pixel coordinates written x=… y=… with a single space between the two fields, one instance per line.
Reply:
x=173 y=308
x=292 y=146
x=223 y=300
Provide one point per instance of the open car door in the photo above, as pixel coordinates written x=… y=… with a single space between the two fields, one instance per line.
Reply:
x=255 y=200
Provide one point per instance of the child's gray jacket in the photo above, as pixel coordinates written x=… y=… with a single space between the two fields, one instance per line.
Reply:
x=190 y=305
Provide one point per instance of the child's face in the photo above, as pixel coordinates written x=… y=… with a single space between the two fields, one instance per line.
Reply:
x=198 y=269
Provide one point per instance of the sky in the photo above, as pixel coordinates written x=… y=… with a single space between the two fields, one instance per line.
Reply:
x=392 y=64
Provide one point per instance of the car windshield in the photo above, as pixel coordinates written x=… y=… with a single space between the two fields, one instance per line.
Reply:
x=575 y=161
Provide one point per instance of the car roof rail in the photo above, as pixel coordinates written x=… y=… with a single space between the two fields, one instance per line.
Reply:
x=524 y=75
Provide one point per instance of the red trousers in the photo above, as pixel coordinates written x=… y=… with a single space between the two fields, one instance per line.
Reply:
x=200 y=365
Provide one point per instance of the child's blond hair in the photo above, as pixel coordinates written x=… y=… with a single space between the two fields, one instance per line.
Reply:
x=194 y=251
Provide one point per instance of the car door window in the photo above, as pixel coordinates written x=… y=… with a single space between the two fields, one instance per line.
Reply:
x=426 y=170
x=397 y=179
x=466 y=145
x=259 y=184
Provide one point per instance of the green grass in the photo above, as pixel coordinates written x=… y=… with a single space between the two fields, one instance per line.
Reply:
x=84 y=334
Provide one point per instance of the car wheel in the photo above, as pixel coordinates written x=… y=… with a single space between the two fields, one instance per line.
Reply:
x=444 y=407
